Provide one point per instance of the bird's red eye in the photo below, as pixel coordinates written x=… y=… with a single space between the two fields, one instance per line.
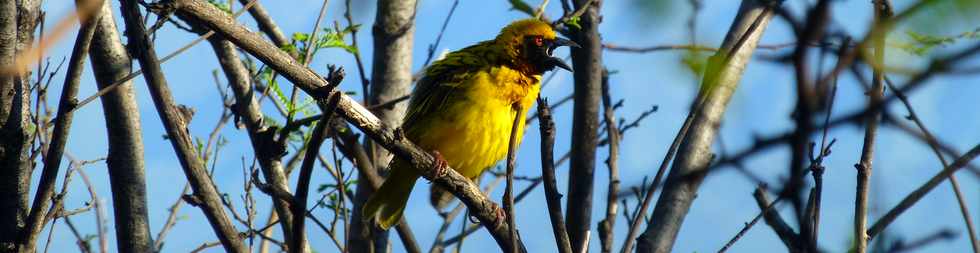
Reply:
x=539 y=41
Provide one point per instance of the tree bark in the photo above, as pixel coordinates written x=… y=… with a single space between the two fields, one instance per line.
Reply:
x=111 y=63
x=391 y=76
x=62 y=124
x=267 y=150
x=176 y=126
x=689 y=168
x=313 y=84
x=17 y=22
x=587 y=62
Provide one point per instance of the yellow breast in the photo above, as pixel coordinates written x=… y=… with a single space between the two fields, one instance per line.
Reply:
x=473 y=132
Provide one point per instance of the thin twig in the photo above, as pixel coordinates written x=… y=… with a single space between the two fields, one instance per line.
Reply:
x=785 y=233
x=509 y=188
x=934 y=144
x=552 y=196
x=435 y=45
x=89 y=14
x=306 y=169
x=748 y=226
x=357 y=53
x=99 y=212
x=165 y=58
x=864 y=168
x=613 y=135
x=920 y=192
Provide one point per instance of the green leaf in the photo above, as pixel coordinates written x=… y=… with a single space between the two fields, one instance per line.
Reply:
x=334 y=39
x=301 y=36
x=573 y=22
x=221 y=5
x=521 y=6
x=695 y=61
x=288 y=48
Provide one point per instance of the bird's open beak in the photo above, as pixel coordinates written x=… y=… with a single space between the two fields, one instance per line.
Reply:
x=558 y=43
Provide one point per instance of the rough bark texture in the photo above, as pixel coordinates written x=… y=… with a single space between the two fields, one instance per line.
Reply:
x=689 y=168
x=13 y=192
x=17 y=22
x=313 y=84
x=391 y=76
x=62 y=125
x=587 y=62
x=266 y=24
x=248 y=111
x=176 y=126
x=111 y=63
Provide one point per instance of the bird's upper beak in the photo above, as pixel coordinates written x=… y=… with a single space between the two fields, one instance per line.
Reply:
x=558 y=42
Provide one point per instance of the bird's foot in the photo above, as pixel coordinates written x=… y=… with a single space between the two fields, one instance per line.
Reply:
x=499 y=214
x=441 y=166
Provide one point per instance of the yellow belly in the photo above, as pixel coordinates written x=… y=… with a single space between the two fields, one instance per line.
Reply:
x=472 y=134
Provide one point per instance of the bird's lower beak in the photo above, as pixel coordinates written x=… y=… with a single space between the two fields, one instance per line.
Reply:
x=559 y=63
x=558 y=43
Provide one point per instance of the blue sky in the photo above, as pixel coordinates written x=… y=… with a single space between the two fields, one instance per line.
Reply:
x=760 y=107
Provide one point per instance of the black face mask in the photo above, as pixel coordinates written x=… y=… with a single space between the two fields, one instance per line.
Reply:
x=539 y=52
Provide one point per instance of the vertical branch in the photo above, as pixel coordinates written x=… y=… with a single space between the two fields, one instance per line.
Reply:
x=587 y=62
x=303 y=184
x=62 y=124
x=806 y=106
x=247 y=110
x=694 y=154
x=353 y=150
x=871 y=120
x=391 y=74
x=360 y=236
x=606 y=234
x=175 y=124
x=511 y=163
x=296 y=245
x=552 y=196
x=17 y=22
x=391 y=78
x=99 y=212
x=111 y=64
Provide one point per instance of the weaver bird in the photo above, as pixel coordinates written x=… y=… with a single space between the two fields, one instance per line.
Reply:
x=463 y=109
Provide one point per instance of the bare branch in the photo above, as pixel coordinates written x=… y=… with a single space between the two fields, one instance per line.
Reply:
x=587 y=62
x=689 y=169
x=62 y=125
x=552 y=196
x=176 y=126
x=920 y=192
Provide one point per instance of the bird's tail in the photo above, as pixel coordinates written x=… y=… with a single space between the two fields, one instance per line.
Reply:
x=388 y=202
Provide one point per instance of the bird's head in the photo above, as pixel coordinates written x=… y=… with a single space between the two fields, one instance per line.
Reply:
x=531 y=43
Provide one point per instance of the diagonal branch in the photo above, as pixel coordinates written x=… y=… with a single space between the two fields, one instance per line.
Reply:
x=920 y=192
x=934 y=144
x=691 y=165
x=310 y=82
x=176 y=125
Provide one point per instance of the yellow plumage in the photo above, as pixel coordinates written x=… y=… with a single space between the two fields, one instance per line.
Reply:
x=464 y=107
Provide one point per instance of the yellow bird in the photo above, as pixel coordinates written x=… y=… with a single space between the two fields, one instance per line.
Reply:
x=463 y=108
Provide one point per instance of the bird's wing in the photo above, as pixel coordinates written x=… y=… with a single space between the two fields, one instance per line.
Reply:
x=443 y=81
